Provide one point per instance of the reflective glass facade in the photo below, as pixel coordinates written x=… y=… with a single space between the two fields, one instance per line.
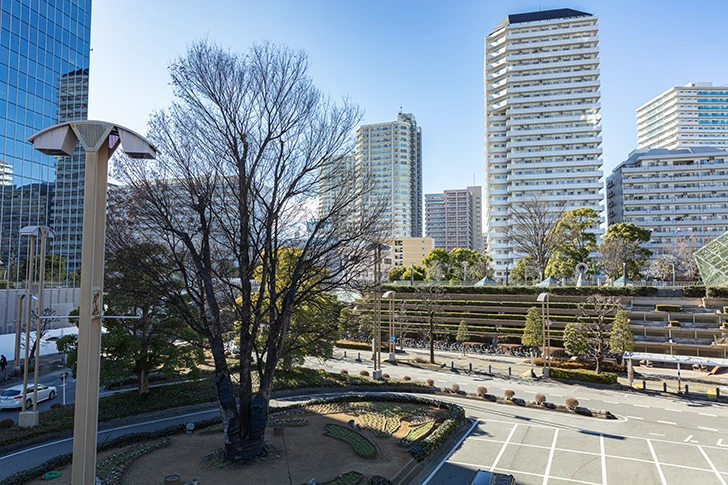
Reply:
x=44 y=69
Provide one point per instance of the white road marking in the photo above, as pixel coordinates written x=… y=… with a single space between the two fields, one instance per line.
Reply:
x=656 y=434
x=667 y=422
x=640 y=406
x=427 y=480
x=674 y=410
x=720 y=443
x=710 y=463
x=708 y=414
x=707 y=429
x=687 y=439
x=612 y=402
x=657 y=463
x=503 y=448
x=694 y=441
x=604 y=459
x=634 y=417
x=559 y=395
x=551 y=458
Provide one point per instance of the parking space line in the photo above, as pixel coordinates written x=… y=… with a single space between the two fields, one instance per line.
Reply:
x=657 y=463
x=457 y=445
x=657 y=434
x=667 y=422
x=715 y=470
x=604 y=459
x=673 y=410
x=707 y=429
x=551 y=458
x=634 y=417
x=708 y=414
x=687 y=439
x=503 y=448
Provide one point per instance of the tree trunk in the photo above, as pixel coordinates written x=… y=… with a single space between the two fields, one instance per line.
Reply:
x=228 y=406
x=143 y=381
x=432 y=340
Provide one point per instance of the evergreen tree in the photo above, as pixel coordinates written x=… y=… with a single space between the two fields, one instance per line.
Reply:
x=621 y=338
x=576 y=338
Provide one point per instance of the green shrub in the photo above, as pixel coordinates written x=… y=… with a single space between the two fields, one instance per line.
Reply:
x=668 y=308
x=694 y=291
x=584 y=375
x=530 y=290
x=673 y=323
x=6 y=423
x=724 y=325
x=716 y=292
x=725 y=309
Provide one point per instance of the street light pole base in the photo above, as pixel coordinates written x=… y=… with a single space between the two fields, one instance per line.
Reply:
x=28 y=419
x=377 y=374
x=392 y=358
x=546 y=371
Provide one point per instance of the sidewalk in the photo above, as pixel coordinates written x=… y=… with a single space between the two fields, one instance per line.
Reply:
x=50 y=363
x=654 y=379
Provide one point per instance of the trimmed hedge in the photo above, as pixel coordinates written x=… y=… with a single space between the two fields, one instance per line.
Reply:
x=694 y=291
x=350 y=344
x=584 y=375
x=530 y=290
x=716 y=292
x=673 y=323
x=668 y=308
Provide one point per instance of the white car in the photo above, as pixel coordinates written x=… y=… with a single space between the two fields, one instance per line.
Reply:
x=13 y=397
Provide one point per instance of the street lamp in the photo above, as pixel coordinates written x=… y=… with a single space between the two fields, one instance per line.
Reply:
x=99 y=139
x=673 y=274
x=546 y=329
x=465 y=269
x=390 y=295
x=508 y=270
x=27 y=418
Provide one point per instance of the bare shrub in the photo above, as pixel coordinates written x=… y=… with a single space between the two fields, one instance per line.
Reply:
x=540 y=399
x=364 y=373
x=6 y=423
x=509 y=393
x=55 y=405
x=385 y=376
x=572 y=403
x=406 y=378
x=430 y=383
x=481 y=391
x=455 y=388
x=343 y=371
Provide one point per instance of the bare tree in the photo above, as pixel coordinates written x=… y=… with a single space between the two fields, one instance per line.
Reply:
x=597 y=325
x=683 y=251
x=532 y=229
x=615 y=253
x=430 y=298
x=241 y=153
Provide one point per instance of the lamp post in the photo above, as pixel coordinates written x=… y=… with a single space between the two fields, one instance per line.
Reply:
x=508 y=270
x=412 y=274
x=546 y=329
x=673 y=274
x=390 y=295
x=99 y=139
x=27 y=418
x=465 y=270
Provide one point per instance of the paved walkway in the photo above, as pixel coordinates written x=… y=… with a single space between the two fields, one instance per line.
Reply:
x=655 y=378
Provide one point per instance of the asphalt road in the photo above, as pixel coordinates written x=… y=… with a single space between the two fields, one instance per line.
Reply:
x=655 y=440
x=50 y=379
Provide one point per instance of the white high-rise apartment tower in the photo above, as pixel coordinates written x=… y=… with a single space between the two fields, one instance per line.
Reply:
x=542 y=115
x=389 y=156
x=685 y=116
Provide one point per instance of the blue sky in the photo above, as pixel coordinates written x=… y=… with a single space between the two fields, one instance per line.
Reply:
x=424 y=56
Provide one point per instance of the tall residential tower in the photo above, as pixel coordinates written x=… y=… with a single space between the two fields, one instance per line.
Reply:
x=685 y=116
x=389 y=157
x=454 y=219
x=542 y=119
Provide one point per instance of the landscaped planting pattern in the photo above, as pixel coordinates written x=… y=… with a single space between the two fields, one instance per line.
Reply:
x=111 y=470
x=349 y=478
x=382 y=425
x=288 y=422
x=416 y=433
x=419 y=421
x=362 y=446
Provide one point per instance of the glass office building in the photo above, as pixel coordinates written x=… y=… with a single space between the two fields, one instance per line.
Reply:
x=44 y=67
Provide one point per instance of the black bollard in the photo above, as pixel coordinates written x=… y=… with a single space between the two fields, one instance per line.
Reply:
x=717 y=392
x=489 y=369
x=345 y=354
x=358 y=356
x=509 y=371
x=664 y=387
x=644 y=384
x=471 y=367
x=452 y=364
x=686 y=389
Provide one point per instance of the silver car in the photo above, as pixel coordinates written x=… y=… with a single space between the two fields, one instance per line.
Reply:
x=13 y=396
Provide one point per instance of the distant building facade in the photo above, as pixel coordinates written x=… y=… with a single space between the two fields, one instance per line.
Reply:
x=684 y=116
x=454 y=218
x=410 y=250
x=542 y=120
x=678 y=195
x=388 y=156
